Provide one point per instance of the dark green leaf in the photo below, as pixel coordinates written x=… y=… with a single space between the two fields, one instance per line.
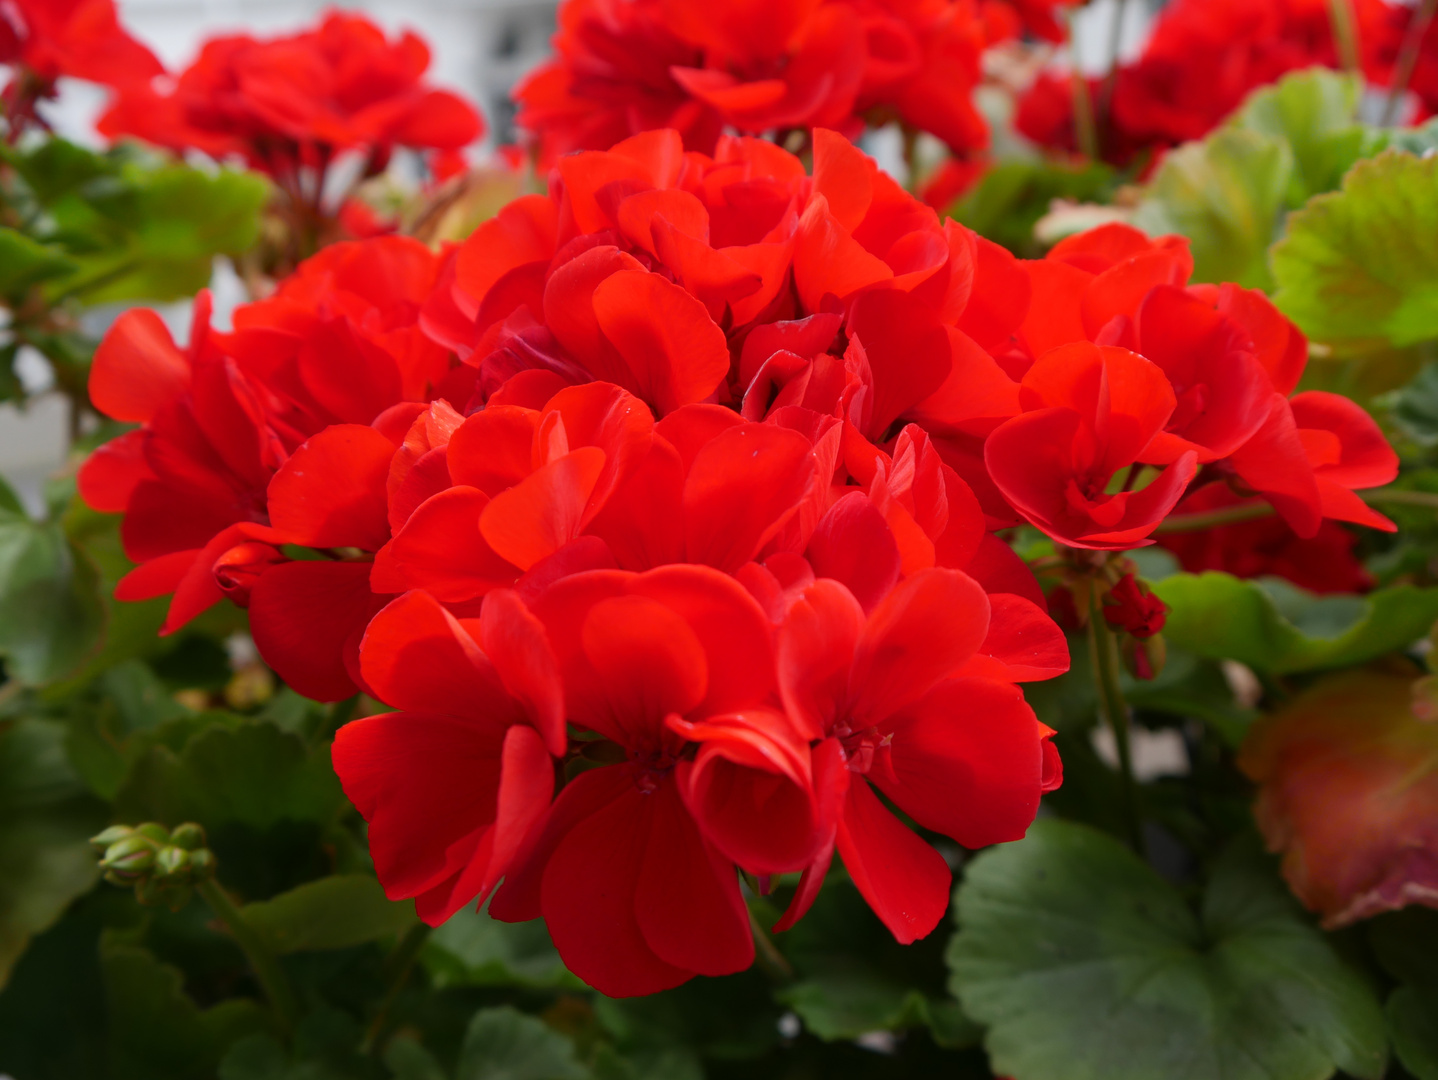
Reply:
x=845 y=1006
x=156 y=1031
x=1086 y=965
x=331 y=913
x=505 y=1044
x=51 y=613
x=1413 y=1025
x=1357 y=268
x=471 y=949
x=45 y=820
x=1277 y=627
x=25 y=262
x=254 y=774
x=408 y=1060
x=1225 y=194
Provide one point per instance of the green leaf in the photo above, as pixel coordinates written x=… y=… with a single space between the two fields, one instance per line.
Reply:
x=505 y=1044
x=1225 y=194
x=45 y=820
x=331 y=913
x=472 y=949
x=847 y=1005
x=1011 y=197
x=177 y=221
x=156 y=1030
x=1412 y=1014
x=1085 y=964
x=1316 y=113
x=408 y=1060
x=25 y=262
x=253 y=773
x=1273 y=626
x=1357 y=268
x=51 y=613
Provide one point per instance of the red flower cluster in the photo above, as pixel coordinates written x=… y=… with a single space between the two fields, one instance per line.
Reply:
x=664 y=475
x=1203 y=59
x=627 y=66
x=46 y=39
x=1120 y=382
x=292 y=103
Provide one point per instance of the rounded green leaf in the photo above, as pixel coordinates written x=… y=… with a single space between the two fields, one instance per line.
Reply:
x=1085 y=964
x=1273 y=626
x=1358 y=268
x=331 y=913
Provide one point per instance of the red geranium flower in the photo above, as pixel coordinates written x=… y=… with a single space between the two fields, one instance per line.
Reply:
x=290 y=106
x=82 y=39
x=621 y=69
x=337 y=344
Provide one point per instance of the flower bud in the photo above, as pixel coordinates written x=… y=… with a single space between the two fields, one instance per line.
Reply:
x=1144 y=657
x=237 y=570
x=202 y=864
x=1130 y=607
x=113 y=835
x=154 y=831
x=129 y=858
x=189 y=836
x=172 y=862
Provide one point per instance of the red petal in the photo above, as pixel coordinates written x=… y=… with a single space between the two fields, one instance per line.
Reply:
x=304 y=617
x=588 y=895
x=137 y=369
x=440 y=549
x=113 y=470
x=675 y=352
x=426 y=784
x=515 y=641
x=922 y=632
x=543 y=512
x=816 y=651
x=494 y=449
x=854 y=546
x=687 y=900
x=415 y=655
x=331 y=491
x=904 y=880
x=966 y=761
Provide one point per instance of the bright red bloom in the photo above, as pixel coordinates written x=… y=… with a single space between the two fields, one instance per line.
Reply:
x=893 y=701
x=82 y=39
x=635 y=896
x=1090 y=412
x=624 y=68
x=1323 y=563
x=337 y=344
x=453 y=784
x=296 y=101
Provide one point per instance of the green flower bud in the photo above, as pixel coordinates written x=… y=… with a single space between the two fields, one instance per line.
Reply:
x=154 y=831
x=113 y=835
x=189 y=836
x=129 y=858
x=172 y=862
x=202 y=864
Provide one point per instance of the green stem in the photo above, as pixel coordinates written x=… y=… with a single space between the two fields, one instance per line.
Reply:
x=1103 y=650
x=1399 y=497
x=1408 y=59
x=1212 y=519
x=1085 y=129
x=397 y=967
x=1345 y=33
x=767 y=953
x=263 y=962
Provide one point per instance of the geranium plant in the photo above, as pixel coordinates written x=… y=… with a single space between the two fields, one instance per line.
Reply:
x=722 y=614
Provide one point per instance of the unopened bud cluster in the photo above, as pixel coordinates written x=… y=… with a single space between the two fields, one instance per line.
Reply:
x=162 y=864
